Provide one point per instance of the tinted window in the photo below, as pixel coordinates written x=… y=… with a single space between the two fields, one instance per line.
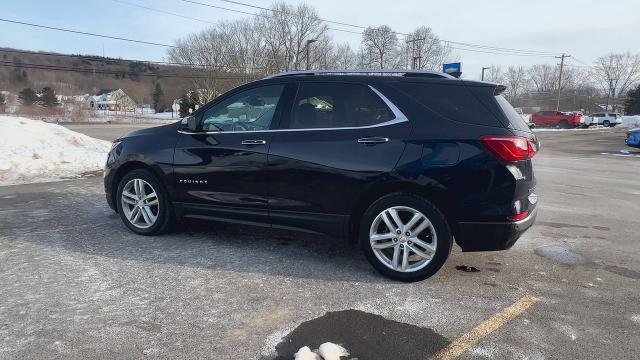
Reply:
x=336 y=105
x=515 y=120
x=250 y=110
x=454 y=102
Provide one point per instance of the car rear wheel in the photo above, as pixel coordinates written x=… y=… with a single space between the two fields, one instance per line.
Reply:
x=143 y=203
x=564 y=124
x=405 y=237
x=606 y=123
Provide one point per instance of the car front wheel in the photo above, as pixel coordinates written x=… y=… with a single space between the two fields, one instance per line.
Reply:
x=143 y=204
x=405 y=237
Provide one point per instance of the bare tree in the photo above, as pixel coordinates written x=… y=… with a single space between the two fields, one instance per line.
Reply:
x=515 y=79
x=380 y=45
x=544 y=78
x=427 y=48
x=494 y=74
x=616 y=73
x=294 y=27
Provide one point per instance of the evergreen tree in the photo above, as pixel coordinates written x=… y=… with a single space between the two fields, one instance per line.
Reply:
x=48 y=97
x=156 y=95
x=27 y=97
x=188 y=101
x=632 y=103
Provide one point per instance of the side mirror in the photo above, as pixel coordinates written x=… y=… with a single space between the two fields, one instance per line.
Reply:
x=192 y=123
x=532 y=125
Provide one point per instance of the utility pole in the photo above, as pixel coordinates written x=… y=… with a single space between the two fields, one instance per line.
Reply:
x=309 y=42
x=416 y=61
x=483 y=69
x=560 y=78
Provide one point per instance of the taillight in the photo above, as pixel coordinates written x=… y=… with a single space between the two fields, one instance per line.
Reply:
x=517 y=217
x=510 y=148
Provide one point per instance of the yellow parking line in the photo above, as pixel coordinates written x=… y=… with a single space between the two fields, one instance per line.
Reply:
x=490 y=325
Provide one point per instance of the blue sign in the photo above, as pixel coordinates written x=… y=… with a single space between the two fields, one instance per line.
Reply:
x=452 y=68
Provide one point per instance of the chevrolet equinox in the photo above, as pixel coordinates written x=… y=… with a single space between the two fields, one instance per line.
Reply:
x=402 y=162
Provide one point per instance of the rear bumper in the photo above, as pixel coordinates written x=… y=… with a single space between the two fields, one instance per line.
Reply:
x=492 y=236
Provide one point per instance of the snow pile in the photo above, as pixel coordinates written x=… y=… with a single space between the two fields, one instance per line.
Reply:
x=631 y=122
x=326 y=351
x=35 y=151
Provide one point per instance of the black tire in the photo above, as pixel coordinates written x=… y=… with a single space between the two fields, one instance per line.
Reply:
x=564 y=124
x=606 y=123
x=437 y=219
x=164 y=217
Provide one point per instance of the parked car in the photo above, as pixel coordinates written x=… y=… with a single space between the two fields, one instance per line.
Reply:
x=605 y=118
x=633 y=138
x=401 y=164
x=557 y=119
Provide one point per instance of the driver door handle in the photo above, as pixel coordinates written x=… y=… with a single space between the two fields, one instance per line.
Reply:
x=373 y=140
x=254 y=142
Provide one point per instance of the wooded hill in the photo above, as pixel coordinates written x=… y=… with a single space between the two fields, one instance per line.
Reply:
x=86 y=74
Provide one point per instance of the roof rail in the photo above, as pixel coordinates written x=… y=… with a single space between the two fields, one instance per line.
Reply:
x=400 y=72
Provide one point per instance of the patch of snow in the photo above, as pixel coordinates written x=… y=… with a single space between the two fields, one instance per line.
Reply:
x=306 y=354
x=635 y=318
x=591 y=128
x=331 y=351
x=631 y=121
x=36 y=151
x=273 y=340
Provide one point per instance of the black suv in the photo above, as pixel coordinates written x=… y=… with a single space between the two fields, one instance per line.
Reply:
x=401 y=163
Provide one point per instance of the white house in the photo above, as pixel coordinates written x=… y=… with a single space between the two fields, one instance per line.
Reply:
x=111 y=99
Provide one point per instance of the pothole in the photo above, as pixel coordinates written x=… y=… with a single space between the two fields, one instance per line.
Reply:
x=560 y=254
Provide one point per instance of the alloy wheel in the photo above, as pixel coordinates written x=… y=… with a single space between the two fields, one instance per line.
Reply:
x=140 y=203
x=403 y=239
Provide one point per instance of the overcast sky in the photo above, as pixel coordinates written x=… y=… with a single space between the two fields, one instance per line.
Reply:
x=585 y=29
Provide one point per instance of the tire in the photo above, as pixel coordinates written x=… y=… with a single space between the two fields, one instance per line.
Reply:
x=564 y=124
x=162 y=209
x=606 y=123
x=417 y=267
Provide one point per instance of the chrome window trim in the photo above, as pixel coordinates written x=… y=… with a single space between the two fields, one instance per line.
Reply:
x=399 y=117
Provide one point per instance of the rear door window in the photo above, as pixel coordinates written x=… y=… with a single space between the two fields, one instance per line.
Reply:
x=337 y=105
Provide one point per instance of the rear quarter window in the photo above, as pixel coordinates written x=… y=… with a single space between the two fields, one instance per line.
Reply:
x=454 y=102
x=515 y=120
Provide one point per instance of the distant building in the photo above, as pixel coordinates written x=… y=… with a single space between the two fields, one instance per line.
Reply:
x=111 y=99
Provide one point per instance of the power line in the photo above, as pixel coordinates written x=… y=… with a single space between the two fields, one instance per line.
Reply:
x=164 y=11
x=125 y=39
x=116 y=72
x=503 y=50
x=87 y=33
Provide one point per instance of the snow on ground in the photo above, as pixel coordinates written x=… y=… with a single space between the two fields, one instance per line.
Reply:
x=631 y=121
x=35 y=151
x=591 y=128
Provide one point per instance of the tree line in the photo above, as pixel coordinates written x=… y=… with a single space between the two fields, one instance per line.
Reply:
x=288 y=37
x=291 y=36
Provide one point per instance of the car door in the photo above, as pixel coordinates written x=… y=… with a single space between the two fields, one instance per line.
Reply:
x=336 y=139
x=219 y=168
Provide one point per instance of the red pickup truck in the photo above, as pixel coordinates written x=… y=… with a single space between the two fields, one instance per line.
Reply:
x=557 y=119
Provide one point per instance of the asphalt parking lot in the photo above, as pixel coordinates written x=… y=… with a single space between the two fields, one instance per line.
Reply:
x=75 y=284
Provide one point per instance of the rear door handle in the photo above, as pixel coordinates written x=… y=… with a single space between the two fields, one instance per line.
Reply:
x=373 y=140
x=254 y=142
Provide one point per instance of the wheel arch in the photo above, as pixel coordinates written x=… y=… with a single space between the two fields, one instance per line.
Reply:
x=431 y=193
x=126 y=168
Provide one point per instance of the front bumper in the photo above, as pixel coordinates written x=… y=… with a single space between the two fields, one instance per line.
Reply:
x=492 y=236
